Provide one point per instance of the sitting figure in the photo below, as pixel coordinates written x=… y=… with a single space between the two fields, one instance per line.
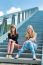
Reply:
x=29 y=44
x=13 y=41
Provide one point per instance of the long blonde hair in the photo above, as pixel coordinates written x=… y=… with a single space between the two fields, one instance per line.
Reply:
x=33 y=32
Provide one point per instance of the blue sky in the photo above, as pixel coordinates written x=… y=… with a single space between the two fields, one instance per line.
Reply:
x=10 y=6
x=5 y=5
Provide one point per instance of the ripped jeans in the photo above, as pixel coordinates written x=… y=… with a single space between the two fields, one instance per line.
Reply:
x=29 y=45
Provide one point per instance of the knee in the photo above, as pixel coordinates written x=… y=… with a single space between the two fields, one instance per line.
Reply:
x=21 y=49
x=32 y=50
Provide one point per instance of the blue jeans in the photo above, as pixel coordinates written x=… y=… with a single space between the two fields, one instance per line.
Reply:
x=28 y=45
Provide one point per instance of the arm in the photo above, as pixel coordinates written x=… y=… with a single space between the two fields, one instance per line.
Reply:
x=34 y=38
x=17 y=36
x=9 y=38
x=27 y=36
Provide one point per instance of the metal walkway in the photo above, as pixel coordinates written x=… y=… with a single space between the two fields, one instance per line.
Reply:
x=26 y=58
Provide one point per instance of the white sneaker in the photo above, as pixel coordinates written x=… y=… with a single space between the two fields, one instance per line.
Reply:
x=7 y=56
x=17 y=56
x=34 y=58
x=11 y=57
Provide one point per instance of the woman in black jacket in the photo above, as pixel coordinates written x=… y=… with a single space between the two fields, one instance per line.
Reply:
x=13 y=41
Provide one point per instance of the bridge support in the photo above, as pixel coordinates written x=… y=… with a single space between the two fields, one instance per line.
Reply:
x=13 y=19
x=27 y=14
x=18 y=18
x=42 y=56
x=4 y=26
x=22 y=16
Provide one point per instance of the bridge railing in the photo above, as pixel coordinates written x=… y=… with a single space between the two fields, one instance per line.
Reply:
x=15 y=18
x=42 y=56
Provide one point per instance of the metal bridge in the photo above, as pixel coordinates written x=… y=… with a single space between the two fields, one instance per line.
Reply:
x=22 y=19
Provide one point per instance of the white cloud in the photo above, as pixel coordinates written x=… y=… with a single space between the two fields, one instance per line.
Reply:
x=41 y=7
x=1 y=13
x=13 y=9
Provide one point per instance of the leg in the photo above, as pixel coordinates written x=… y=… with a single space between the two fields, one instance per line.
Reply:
x=8 y=50
x=35 y=46
x=24 y=47
x=30 y=45
x=32 y=50
x=21 y=51
x=17 y=46
x=9 y=46
x=12 y=47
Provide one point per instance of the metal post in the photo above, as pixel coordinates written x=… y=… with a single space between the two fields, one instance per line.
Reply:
x=13 y=19
x=18 y=19
x=4 y=25
x=42 y=56
x=25 y=14
x=22 y=16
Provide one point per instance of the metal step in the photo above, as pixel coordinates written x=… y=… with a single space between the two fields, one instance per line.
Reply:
x=20 y=60
x=23 y=55
x=15 y=50
x=5 y=46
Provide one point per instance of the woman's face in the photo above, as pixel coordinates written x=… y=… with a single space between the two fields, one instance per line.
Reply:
x=13 y=29
x=30 y=31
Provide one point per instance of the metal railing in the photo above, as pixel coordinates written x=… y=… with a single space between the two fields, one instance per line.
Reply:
x=26 y=14
x=15 y=18
x=42 y=56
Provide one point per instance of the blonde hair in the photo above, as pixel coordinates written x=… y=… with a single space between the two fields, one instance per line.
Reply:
x=33 y=32
x=30 y=26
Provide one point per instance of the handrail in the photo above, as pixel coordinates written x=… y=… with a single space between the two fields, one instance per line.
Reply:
x=42 y=56
x=4 y=36
x=19 y=11
x=21 y=16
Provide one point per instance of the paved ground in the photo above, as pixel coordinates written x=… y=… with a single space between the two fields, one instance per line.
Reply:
x=11 y=64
